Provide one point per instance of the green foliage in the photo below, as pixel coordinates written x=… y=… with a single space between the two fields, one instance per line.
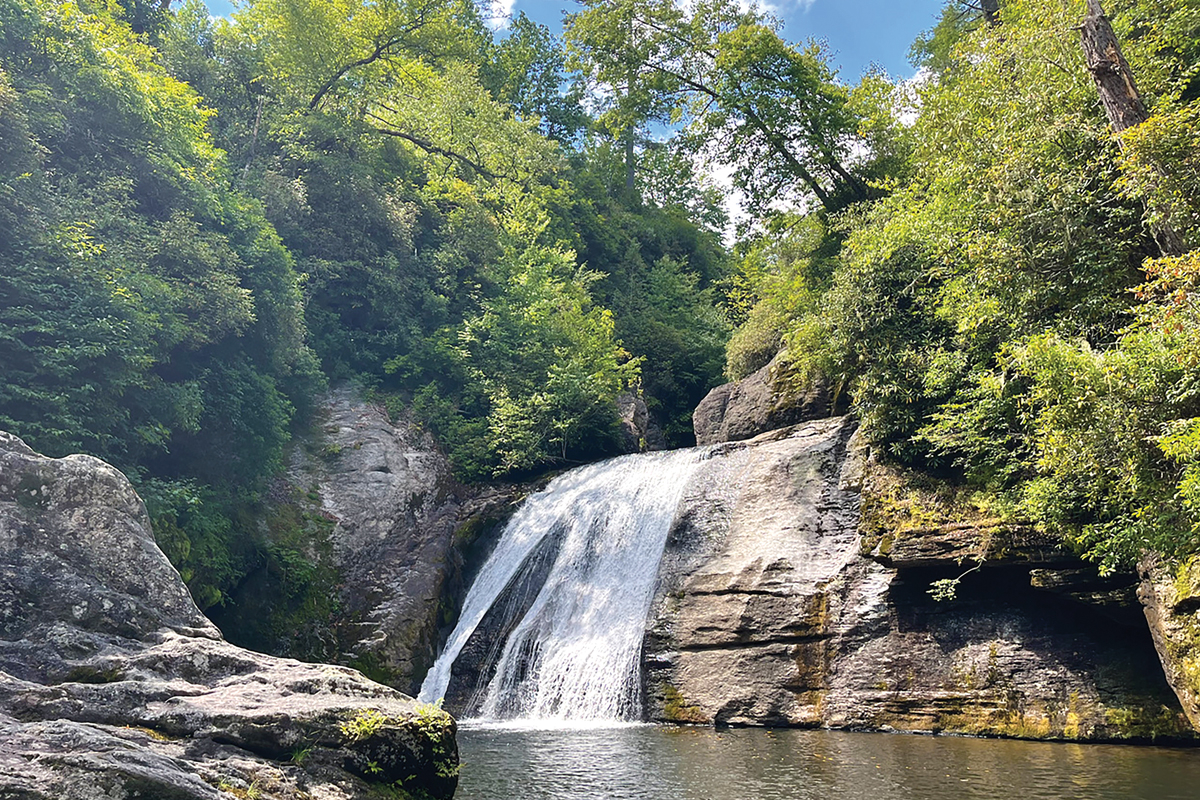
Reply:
x=935 y=49
x=1117 y=434
x=547 y=361
x=614 y=44
x=364 y=724
x=194 y=528
x=205 y=220
x=528 y=69
x=671 y=322
x=1161 y=166
x=755 y=343
x=144 y=299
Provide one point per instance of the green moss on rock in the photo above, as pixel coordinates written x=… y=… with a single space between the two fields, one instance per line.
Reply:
x=676 y=708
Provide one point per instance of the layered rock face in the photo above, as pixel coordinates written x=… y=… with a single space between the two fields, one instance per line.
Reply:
x=1170 y=595
x=114 y=685
x=796 y=591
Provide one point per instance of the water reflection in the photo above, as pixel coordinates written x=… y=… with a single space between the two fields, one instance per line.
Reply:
x=646 y=762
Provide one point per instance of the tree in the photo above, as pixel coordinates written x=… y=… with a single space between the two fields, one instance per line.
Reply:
x=775 y=112
x=314 y=52
x=618 y=46
x=528 y=73
x=768 y=108
x=548 y=361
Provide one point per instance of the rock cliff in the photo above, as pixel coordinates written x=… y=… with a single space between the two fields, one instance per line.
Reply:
x=114 y=685
x=396 y=526
x=1170 y=595
x=796 y=591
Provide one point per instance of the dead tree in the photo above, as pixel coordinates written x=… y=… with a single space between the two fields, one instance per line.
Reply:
x=1119 y=95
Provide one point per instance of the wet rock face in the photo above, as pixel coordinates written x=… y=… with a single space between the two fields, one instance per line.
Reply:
x=781 y=603
x=114 y=685
x=754 y=405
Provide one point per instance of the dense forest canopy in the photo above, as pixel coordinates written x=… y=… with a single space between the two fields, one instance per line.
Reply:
x=206 y=221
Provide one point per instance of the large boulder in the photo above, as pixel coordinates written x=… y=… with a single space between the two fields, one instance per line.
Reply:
x=638 y=431
x=114 y=685
x=761 y=402
x=796 y=591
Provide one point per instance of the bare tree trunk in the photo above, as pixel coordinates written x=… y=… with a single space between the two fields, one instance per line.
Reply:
x=1122 y=103
x=630 y=165
x=253 y=138
x=1110 y=70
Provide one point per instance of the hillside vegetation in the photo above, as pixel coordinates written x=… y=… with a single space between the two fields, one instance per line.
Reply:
x=207 y=221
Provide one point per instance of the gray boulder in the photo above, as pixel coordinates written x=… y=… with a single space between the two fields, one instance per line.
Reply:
x=756 y=404
x=114 y=685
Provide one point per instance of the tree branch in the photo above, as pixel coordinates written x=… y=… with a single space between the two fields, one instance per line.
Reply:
x=383 y=47
x=430 y=147
x=774 y=140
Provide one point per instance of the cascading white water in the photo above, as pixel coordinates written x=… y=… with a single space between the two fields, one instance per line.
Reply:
x=576 y=652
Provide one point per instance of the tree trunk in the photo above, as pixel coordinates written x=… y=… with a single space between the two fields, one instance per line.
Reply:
x=1110 y=70
x=630 y=165
x=1122 y=103
x=991 y=11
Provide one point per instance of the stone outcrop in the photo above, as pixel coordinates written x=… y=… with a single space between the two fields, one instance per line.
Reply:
x=1170 y=595
x=114 y=685
x=796 y=591
x=756 y=404
x=397 y=524
x=639 y=433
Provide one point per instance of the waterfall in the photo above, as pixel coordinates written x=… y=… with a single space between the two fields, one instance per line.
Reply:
x=575 y=653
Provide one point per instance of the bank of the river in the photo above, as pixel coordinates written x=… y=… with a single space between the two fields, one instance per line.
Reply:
x=661 y=763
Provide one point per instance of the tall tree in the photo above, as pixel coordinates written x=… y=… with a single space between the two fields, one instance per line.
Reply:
x=619 y=45
x=772 y=110
x=528 y=72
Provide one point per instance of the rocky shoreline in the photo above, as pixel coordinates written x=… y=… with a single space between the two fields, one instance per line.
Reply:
x=113 y=684
x=795 y=591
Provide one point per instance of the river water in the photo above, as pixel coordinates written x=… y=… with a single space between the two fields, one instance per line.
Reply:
x=662 y=763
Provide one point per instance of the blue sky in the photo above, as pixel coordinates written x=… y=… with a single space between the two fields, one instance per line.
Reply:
x=859 y=32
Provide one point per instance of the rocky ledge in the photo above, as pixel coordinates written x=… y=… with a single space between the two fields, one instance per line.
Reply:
x=114 y=685
x=796 y=591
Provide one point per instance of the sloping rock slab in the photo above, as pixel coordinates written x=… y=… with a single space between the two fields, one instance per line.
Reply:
x=114 y=685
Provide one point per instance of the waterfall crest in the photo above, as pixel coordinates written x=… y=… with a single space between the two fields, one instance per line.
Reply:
x=575 y=653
